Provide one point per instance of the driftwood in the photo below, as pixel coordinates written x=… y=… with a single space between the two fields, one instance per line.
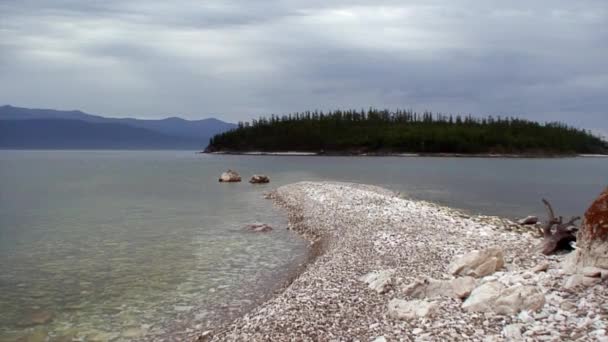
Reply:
x=557 y=239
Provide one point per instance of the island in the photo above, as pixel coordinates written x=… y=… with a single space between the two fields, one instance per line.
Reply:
x=385 y=132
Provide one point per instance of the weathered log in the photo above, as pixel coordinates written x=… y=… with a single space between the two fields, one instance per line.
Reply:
x=562 y=236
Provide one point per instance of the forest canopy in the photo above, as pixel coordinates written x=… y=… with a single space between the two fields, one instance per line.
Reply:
x=404 y=131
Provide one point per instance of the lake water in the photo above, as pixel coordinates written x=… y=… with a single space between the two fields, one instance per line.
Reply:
x=119 y=245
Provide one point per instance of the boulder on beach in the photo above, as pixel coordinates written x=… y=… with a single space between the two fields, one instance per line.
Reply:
x=458 y=288
x=528 y=220
x=495 y=297
x=478 y=263
x=230 y=176
x=259 y=179
x=592 y=239
x=258 y=227
x=407 y=310
x=379 y=281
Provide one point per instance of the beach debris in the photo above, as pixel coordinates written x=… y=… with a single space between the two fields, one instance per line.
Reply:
x=379 y=281
x=528 y=220
x=230 y=176
x=557 y=239
x=478 y=263
x=407 y=310
x=258 y=227
x=259 y=179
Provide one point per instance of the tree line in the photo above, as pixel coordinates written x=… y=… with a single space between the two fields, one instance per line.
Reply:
x=385 y=131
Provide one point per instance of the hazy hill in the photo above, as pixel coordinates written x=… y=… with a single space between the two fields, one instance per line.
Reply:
x=48 y=128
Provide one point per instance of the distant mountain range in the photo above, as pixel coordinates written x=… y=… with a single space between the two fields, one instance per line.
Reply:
x=56 y=129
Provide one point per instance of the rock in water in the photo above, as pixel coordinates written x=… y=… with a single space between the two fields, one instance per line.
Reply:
x=259 y=179
x=592 y=239
x=478 y=263
x=230 y=176
x=37 y=317
x=528 y=220
x=402 y=309
x=258 y=227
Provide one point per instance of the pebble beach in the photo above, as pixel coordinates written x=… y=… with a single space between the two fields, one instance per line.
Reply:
x=385 y=269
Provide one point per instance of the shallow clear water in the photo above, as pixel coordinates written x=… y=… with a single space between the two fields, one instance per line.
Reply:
x=116 y=245
x=124 y=244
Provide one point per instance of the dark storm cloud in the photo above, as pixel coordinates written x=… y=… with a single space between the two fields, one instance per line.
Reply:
x=543 y=60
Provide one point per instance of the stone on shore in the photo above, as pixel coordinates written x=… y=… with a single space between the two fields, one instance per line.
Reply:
x=483 y=297
x=458 y=288
x=512 y=332
x=528 y=220
x=517 y=298
x=259 y=179
x=379 y=281
x=478 y=263
x=494 y=297
x=592 y=238
x=542 y=267
x=230 y=176
x=408 y=310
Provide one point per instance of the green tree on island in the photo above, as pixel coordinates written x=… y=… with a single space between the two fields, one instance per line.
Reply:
x=402 y=131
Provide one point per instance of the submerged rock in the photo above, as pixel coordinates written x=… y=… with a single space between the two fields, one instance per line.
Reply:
x=478 y=263
x=230 y=176
x=258 y=227
x=259 y=179
x=37 y=317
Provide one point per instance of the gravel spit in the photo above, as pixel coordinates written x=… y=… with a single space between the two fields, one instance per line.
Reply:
x=357 y=229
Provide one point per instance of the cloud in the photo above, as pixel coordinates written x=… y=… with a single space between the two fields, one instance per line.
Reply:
x=543 y=60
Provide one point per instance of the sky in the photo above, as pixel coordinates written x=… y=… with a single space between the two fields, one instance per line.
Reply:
x=545 y=60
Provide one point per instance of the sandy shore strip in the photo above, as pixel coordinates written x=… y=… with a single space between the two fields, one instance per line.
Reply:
x=361 y=229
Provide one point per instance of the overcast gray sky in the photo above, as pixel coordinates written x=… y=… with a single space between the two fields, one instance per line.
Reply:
x=544 y=60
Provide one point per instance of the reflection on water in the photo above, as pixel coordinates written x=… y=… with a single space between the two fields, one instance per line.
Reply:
x=112 y=246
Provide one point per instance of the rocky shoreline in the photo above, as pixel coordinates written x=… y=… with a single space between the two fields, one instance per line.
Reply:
x=385 y=267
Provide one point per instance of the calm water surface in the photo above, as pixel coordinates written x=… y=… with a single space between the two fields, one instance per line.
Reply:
x=124 y=245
